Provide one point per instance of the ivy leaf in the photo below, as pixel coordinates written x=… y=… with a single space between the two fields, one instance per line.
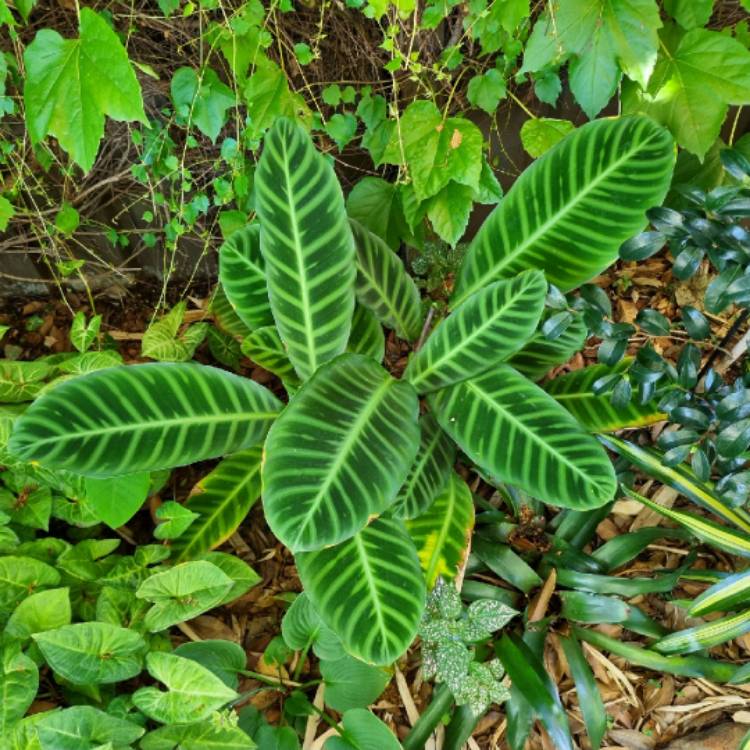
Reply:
x=691 y=96
x=449 y=211
x=690 y=14
x=485 y=91
x=193 y=694
x=71 y=84
x=437 y=151
x=342 y=128
x=203 y=102
x=542 y=133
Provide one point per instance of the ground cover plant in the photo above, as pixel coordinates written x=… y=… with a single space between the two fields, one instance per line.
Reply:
x=439 y=422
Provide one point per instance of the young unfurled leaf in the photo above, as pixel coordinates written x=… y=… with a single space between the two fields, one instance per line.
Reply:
x=93 y=652
x=183 y=592
x=71 y=84
x=302 y=627
x=193 y=692
x=83 y=334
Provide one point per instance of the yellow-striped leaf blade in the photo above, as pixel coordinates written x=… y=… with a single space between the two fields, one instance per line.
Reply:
x=570 y=211
x=727 y=595
x=307 y=246
x=369 y=590
x=704 y=636
x=430 y=471
x=680 y=478
x=708 y=531
x=516 y=432
x=142 y=418
x=338 y=453
x=264 y=347
x=221 y=499
x=596 y=412
x=541 y=354
x=384 y=286
x=487 y=328
x=441 y=534
x=243 y=277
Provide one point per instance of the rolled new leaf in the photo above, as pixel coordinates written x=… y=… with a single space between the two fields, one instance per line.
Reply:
x=339 y=453
x=242 y=273
x=369 y=590
x=124 y=420
x=516 y=432
x=570 y=211
x=487 y=328
x=307 y=246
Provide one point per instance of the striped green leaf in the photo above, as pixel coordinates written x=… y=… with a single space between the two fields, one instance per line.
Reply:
x=487 y=328
x=570 y=211
x=264 y=347
x=307 y=246
x=142 y=418
x=430 y=471
x=727 y=595
x=514 y=431
x=369 y=590
x=221 y=499
x=338 y=453
x=441 y=534
x=597 y=413
x=725 y=538
x=367 y=335
x=384 y=286
x=541 y=354
x=704 y=636
x=224 y=315
x=680 y=478
x=242 y=274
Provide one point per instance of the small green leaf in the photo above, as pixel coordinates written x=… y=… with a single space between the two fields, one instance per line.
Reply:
x=93 y=652
x=302 y=628
x=486 y=90
x=363 y=731
x=540 y=134
x=224 y=658
x=203 y=101
x=350 y=683
x=193 y=692
x=7 y=212
x=67 y=220
x=174 y=520
x=183 y=592
x=116 y=500
x=83 y=334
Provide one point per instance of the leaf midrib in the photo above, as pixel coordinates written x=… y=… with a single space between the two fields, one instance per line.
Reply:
x=344 y=449
x=554 y=219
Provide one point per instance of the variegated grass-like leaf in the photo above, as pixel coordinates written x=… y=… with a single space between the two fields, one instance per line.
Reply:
x=441 y=534
x=704 y=636
x=384 y=286
x=142 y=418
x=307 y=246
x=242 y=274
x=221 y=499
x=487 y=328
x=516 y=432
x=369 y=590
x=429 y=473
x=680 y=478
x=338 y=453
x=727 y=595
x=570 y=211
x=596 y=413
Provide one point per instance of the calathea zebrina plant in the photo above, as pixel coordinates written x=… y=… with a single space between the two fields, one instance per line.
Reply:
x=358 y=485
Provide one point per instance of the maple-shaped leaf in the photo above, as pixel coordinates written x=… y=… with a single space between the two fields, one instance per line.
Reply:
x=699 y=74
x=72 y=84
